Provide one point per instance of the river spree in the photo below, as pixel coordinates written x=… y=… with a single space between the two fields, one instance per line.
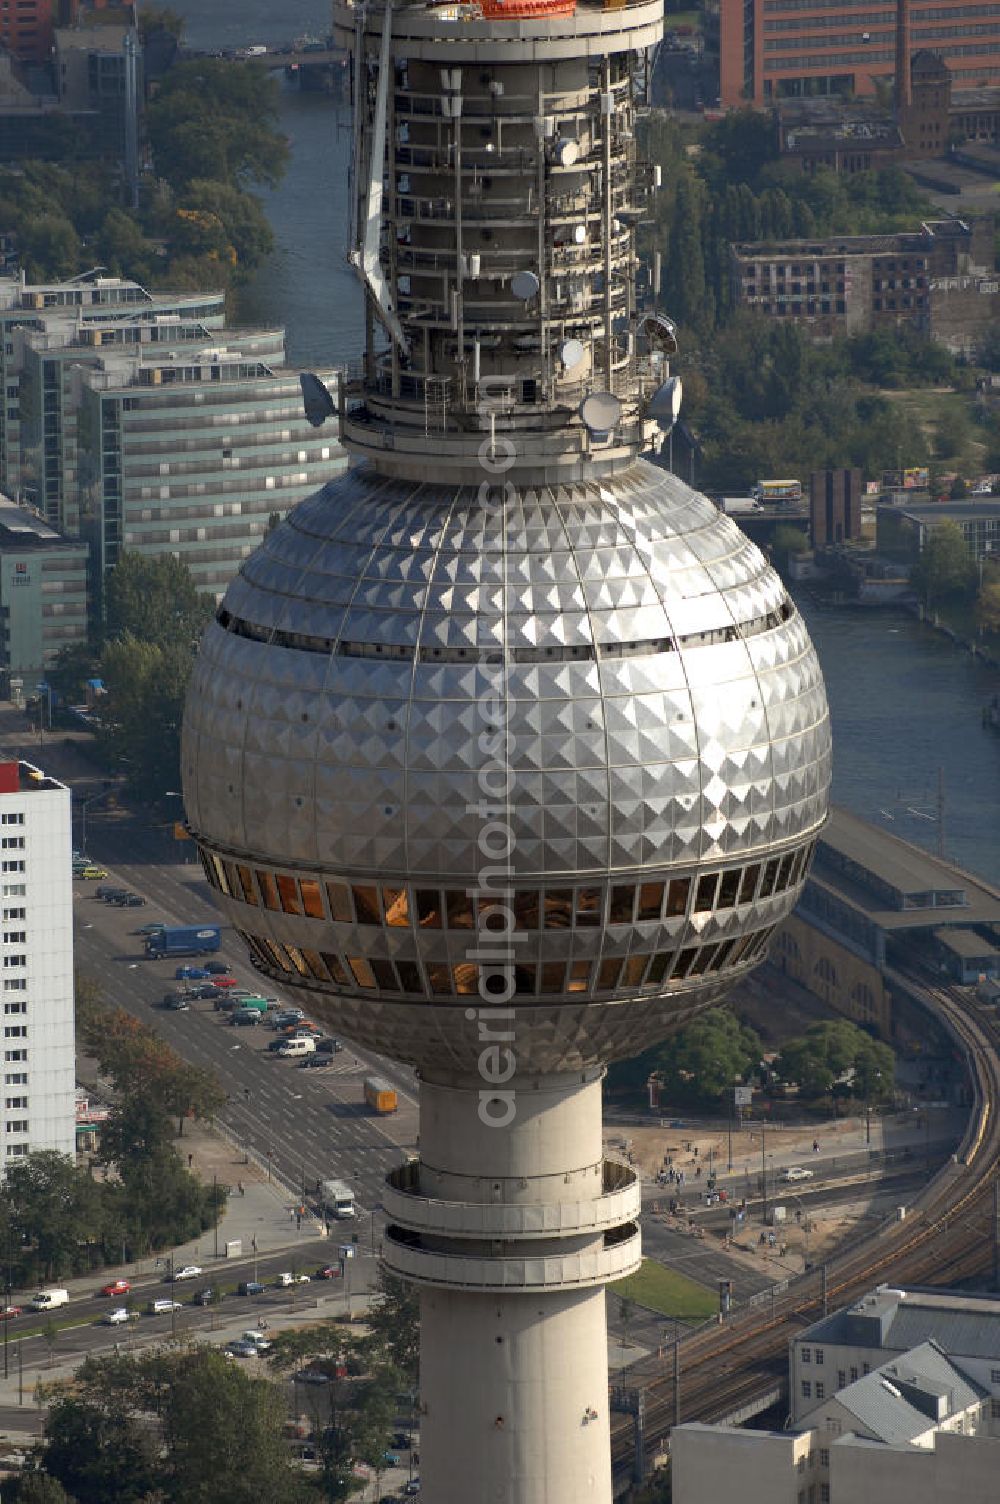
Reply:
x=904 y=701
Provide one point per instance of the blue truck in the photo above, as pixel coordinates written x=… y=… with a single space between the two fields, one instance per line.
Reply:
x=184 y=940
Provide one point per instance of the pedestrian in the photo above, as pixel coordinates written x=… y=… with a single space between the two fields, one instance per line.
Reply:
x=291 y=1214
x=239 y=1187
x=815 y=1145
x=190 y=1160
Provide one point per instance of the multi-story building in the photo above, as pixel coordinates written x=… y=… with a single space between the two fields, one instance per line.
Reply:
x=881 y=1328
x=773 y=49
x=48 y=328
x=901 y=532
x=26 y=28
x=914 y=1426
x=36 y=912
x=193 y=451
x=938 y=279
x=43 y=594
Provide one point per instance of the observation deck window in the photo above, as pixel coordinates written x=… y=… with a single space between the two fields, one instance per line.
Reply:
x=650 y=901
x=268 y=891
x=428 y=908
x=396 y=903
x=288 y=888
x=705 y=897
x=620 y=909
x=363 y=974
x=366 y=905
x=312 y=899
x=339 y=898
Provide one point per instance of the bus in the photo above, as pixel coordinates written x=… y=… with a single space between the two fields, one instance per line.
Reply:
x=778 y=493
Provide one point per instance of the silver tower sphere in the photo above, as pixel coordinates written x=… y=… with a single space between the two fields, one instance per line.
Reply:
x=603 y=688
x=507 y=750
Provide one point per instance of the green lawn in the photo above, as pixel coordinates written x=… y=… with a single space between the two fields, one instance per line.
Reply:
x=660 y=1289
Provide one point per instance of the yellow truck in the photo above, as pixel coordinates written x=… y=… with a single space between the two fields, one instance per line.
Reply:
x=379 y=1095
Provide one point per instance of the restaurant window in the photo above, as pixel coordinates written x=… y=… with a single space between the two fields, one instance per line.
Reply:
x=558 y=908
x=428 y=908
x=650 y=901
x=289 y=890
x=385 y=976
x=409 y=977
x=460 y=911
x=396 y=903
x=363 y=974
x=268 y=891
x=312 y=898
x=334 y=967
x=608 y=973
x=366 y=905
x=246 y=883
x=677 y=897
x=620 y=907
x=729 y=888
x=340 y=902
x=579 y=976
x=705 y=897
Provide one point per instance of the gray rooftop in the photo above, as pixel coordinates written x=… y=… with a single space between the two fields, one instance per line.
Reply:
x=909 y=1395
x=951 y=511
x=963 y=1325
x=965 y=943
x=854 y=858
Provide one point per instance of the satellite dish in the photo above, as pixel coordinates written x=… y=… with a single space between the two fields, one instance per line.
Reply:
x=568 y=152
x=600 y=412
x=661 y=332
x=665 y=403
x=524 y=285
x=316 y=400
x=571 y=353
x=579 y=233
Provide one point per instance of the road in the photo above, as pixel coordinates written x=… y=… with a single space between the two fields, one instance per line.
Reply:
x=307 y=1125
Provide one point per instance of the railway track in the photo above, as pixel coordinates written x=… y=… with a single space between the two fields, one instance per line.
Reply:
x=944 y=1238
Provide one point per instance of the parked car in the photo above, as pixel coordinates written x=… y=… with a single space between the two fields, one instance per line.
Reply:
x=311 y=1375
x=796 y=1172
x=390 y=1459
x=315 y=1063
x=217 y=968
x=241 y=1349
x=412 y=1488
x=90 y=873
x=329 y=1046
x=204 y=1297
x=287 y=1278
x=401 y=1439
x=113 y=895
x=116 y=1287
x=328 y=1271
x=250 y=1287
x=189 y=1271
x=7 y=1313
x=286 y=1017
x=261 y=1342
x=246 y=1018
x=274 y=1045
x=130 y=901
x=162 y=1307
x=203 y=990
x=191 y=974
x=120 y=1316
x=178 y=1002
x=223 y=981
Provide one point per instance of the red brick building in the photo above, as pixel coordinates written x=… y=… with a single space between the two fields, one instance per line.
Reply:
x=774 y=49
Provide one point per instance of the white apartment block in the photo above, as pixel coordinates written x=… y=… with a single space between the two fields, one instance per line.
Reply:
x=36 y=926
x=916 y=1427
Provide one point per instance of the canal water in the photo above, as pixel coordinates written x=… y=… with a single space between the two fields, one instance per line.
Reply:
x=906 y=704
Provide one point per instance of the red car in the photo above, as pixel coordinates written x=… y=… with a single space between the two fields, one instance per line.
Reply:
x=7 y=1313
x=116 y=1287
x=224 y=982
x=328 y=1271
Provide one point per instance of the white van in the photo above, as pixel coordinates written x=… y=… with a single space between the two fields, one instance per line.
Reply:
x=298 y=1047
x=47 y=1300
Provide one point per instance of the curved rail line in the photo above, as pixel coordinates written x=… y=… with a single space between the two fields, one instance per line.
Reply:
x=943 y=1238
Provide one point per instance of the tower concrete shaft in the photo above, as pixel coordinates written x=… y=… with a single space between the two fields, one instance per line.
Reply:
x=511 y=1224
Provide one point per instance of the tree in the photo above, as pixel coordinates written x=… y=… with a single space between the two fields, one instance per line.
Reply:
x=705 y=1059
x=224 y=1434
x=154 y=600
x=215 y=119
x=98 y=1454
x=988 y=605
x=33 y=1487
x=53 y=1208
x=827 y=1052
x=787 y=542
x=394 y=1323
x=944 y=568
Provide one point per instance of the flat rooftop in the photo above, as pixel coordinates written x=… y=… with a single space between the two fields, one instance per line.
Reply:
x=878 y=873
x=25 y=778
x=22 y=530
